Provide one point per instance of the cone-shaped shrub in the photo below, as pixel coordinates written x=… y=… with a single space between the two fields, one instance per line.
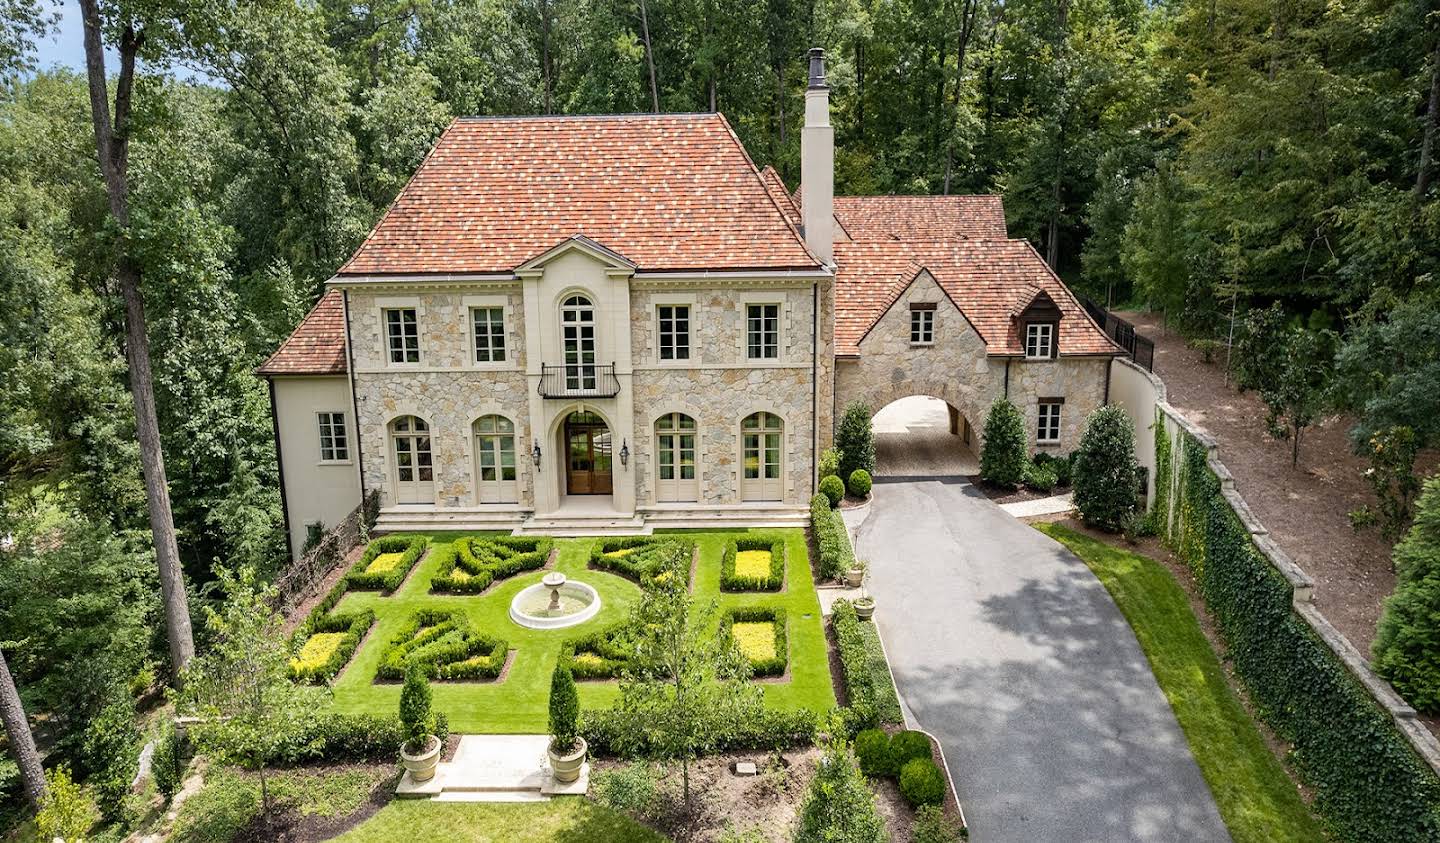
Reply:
x=1407 y=644
x=1106 y=476
x=1002 y=457
x=564 y=709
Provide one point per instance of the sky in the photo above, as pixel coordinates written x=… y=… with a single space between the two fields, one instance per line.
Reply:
x=63 y=46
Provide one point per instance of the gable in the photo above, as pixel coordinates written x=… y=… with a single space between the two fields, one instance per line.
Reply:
x=891 y=323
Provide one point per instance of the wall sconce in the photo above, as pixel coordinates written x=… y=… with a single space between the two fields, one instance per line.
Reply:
x=535 y=455
x=624 y=453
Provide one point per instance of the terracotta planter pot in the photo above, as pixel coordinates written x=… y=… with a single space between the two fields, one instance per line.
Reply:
x=566 y=768
x=865 y=608
x=421 y=766
x=853 y=577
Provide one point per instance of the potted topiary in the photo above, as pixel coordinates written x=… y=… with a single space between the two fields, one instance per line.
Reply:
x=567 y=748
x=865 y=603
x=420 y=753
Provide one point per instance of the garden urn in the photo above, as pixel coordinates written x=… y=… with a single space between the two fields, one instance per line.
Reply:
x=421 y=765
x=566 y=767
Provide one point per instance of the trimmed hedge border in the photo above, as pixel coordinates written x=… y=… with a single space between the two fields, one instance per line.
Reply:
x=1369 y=782
x=445 y=646
x=413 y=547
x=353 y=624
x=607 y=645
x=760 y=614
x=730 y=581
x=485 y=560
x=651 y=558
x=866 y=674
x=831 y=539
x=609 y=734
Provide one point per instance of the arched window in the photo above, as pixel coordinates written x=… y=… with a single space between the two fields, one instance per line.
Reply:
x=414 y=465
x=676 y=472
x=762 y=475
x=577 y=332
x=495 y=460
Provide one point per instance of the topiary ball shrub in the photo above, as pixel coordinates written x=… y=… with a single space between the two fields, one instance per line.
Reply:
x=906 y=746
x=1040 y=478
x=1105 y=471
x=922 y=783
x=1002 y=456
x=833 y=487
x=860 y=482
x=855 y=440
x=872 y=750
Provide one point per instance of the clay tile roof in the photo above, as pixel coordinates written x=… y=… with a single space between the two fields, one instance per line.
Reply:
x=989 y=280
x=922 y=218
x=668 y=191
x=317 y=346
x=776 y=186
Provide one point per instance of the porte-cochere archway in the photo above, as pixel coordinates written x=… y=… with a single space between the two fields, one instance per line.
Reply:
x=923 y=428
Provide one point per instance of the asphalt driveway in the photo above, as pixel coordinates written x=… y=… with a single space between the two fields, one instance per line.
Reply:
x=1008 y=650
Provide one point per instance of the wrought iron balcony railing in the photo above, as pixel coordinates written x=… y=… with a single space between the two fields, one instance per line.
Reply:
x=578 y=380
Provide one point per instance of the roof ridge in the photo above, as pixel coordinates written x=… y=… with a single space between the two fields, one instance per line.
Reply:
x=744 y=153
x=617 y=115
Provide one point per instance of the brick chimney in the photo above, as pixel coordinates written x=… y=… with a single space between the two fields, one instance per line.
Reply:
x=817 y=164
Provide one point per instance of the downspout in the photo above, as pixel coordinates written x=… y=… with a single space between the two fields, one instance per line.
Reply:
x=1007 y=378
x=1109 y=373
x=814 y=387
x=280 y=466
x=354 y=404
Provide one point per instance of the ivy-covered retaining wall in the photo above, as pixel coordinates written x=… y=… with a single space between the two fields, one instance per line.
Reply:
x=1375 y=771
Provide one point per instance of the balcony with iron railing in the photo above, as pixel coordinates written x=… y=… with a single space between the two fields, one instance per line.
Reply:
x=578 y=380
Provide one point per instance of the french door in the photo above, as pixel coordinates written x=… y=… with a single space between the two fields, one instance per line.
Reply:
x=762 y=477
x=588 y=447
x=676 y=476
x=414 y=464
x=495 y=460
x=577 y=331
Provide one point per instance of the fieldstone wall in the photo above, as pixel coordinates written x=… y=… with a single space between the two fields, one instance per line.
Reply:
x=444 y=320
x=1080 y=381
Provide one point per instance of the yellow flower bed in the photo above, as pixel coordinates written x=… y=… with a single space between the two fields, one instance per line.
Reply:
x=384 y=563
x=756 y=639
x=624 y=551
x=317 y=651
x=753 y=563
x=459 y=574
x=588 y=660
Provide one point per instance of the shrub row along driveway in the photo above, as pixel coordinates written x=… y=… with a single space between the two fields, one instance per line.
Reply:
x=1007 y=648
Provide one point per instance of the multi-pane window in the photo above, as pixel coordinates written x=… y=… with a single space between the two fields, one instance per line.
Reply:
x=1040 y=340
x=762 y=331
x=577 y=331
x=922 y=326
x=1048 y=427
x=402 y=335
x=489 y=326
x=334 y=447
x=674 y=331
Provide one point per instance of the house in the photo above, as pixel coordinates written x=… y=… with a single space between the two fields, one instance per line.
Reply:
x=613 y=323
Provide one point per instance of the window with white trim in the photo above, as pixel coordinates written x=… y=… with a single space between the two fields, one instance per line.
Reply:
x=1047 y=428
x=402 y=335
x=674 y=327
x=762 y=331
x=334 y=445
x=1040 y=340
x=488 y=326
x=922 y=327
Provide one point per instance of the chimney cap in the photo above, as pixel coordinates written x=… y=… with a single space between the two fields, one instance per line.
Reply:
x=817 y=68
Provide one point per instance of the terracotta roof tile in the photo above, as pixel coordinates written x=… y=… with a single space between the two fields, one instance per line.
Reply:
x=776 y=186
x=922 y=218
x=989 y=280
x=317 y=345
x=672 y=191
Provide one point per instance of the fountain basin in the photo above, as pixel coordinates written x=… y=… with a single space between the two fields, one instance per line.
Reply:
x=535 y=607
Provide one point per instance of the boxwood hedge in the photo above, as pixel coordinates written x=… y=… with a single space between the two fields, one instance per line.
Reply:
x=1369 y=783
x=759 y=614
x=445 y=645
x=411 y=548
x=599 y=655
x=732 y=581
x=612 y=732
x=863 y=668
x=831 y=539
x=647 y=558
x=354 y=625
x=471 y=565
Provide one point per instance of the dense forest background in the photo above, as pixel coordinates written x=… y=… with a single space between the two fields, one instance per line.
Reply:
x=1200 y=157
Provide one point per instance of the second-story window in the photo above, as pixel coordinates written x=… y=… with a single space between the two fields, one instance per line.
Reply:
x=1040 y=340
x=922 y=326
x=674 y=331
x=489 y=326
x=762 y=331
x=402 y=335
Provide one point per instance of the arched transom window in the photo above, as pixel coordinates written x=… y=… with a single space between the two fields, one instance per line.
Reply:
x=414 y=464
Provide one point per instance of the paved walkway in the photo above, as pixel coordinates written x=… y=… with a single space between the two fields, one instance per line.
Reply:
x=1007 y=648
x=913 y=439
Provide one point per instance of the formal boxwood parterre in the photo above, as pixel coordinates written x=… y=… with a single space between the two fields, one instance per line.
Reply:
x=325 y=643
x=863 y=668
x=1369 y=783
x=642 y=558
x=471 y=565
x=444 y=643
x=762 y=570
x=386 y=563
x=831 y=539
x=767 y=657
x=598 y=655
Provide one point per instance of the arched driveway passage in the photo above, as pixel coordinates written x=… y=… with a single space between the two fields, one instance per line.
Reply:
x=913 y=439
x=1007 y=648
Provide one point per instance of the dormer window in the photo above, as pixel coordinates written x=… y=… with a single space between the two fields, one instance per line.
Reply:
x=1039 y=340
x=1039 y=326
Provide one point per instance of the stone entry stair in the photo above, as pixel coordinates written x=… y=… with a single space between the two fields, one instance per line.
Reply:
x=495 y=768
x=566 y=526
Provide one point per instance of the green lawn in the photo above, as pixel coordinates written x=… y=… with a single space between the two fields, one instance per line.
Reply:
x=518 y=704
x=569 y=819
x=1257 y=800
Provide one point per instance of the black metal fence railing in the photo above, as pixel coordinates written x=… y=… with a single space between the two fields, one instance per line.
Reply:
x=579 y=380
x=1139 y=348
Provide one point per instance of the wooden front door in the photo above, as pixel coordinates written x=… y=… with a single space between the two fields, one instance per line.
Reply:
x=588 y=447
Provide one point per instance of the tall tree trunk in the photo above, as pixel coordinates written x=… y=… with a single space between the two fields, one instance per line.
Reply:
x=649 y=57
x=968 y=9
x=112 y=148
x=22 y=742
x=1423 y=176
x=547 y=72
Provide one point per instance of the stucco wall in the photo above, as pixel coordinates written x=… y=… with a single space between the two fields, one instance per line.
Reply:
x=1138 y=392
x=314 y=491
